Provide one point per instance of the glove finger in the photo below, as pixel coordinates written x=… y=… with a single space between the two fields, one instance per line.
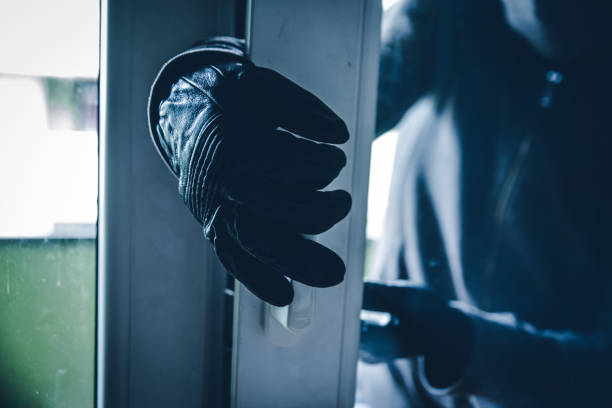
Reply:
x=383 y=344
x=309 y=212
x=287 y=252
x=412 y=319
x=410 y=302
x=380 y=344
x=287 y=160
x=384 y=296
x=265 y=283
x=294 y=108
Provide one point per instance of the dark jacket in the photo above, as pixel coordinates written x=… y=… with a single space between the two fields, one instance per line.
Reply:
x=501 y=199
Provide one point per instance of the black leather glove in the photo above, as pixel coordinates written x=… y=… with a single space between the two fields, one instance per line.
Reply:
x=422 y=324
x=227 y=130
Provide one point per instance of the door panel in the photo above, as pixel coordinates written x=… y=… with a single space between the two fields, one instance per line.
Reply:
x=160 y=288
x=306 y=354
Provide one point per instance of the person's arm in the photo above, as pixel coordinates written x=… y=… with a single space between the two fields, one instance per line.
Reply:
x=407 y=58
x=515 y=364
x=464 y=351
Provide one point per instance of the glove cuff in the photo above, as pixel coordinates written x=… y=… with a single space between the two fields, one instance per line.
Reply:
x=212 y=51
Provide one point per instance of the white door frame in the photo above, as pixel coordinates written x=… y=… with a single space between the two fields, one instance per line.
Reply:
x=306 y=354
x=160 y=290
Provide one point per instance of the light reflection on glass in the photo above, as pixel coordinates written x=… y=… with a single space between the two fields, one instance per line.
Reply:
x=48 y=207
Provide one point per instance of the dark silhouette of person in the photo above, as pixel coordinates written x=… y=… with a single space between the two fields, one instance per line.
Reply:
x=494 y=260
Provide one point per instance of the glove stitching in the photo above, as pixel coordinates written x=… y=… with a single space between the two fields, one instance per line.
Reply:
x=197 y=166
x=209 y=176
x=194 y=163
x=203 y=91
x=218 y=71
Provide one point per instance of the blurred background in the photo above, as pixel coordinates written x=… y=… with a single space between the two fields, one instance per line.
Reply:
x=48 y=204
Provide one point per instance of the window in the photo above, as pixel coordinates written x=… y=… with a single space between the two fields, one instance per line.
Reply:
x=381 y=167
x=48 y=209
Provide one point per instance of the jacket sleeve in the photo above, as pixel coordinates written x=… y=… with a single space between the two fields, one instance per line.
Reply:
x=515 y=364
x=408 y=47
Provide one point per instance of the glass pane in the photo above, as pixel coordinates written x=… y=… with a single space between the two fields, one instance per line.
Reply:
x=382 y=159
x=48 y=209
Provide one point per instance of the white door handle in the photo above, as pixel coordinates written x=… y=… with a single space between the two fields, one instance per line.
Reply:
x=285 y=325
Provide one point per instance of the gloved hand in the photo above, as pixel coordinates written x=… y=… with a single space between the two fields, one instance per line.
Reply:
x=227 y=130
x=422 y=324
